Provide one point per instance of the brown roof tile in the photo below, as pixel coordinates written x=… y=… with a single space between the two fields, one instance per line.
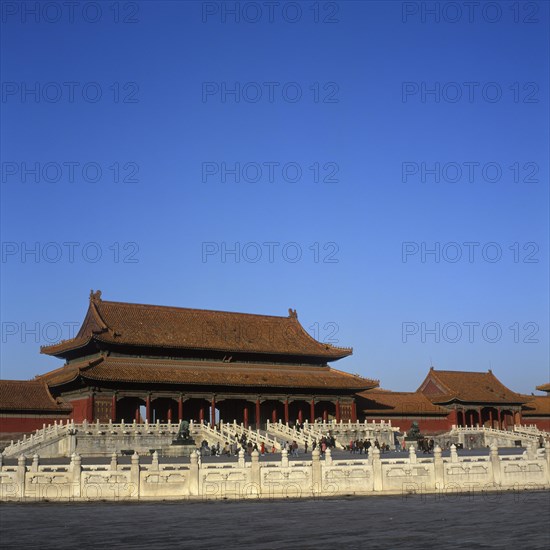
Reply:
x=28 y=395
x=194 y=329
x=537 y=405
x=170 y=371
x=399 y=403
x=544 y=387
x=443 y=386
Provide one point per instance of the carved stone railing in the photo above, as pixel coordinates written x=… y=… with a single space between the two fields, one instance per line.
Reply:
x=530 y=430
x=494 y=436
x=317 y=430
x=344 y=432
x=56 y=432
x=288 y=433
x=255 y=436
x=511 y=434
x=29 y=480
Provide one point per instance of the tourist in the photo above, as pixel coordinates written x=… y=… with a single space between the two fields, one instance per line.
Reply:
x=262 y=449
x=305 y=447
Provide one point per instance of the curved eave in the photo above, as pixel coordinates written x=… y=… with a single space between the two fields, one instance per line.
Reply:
x=326 y=354
x=402 y=414
x=479 y=403
x=67 y=348
x=296 y=389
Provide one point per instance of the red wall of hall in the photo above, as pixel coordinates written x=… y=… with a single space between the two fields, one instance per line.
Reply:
x=82 y=409
x=27 y=424
x=541 y=423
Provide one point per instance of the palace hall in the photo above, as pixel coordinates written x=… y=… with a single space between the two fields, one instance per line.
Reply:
x=134 y=361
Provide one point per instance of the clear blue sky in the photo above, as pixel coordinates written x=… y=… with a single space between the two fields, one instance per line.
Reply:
x=388 y=93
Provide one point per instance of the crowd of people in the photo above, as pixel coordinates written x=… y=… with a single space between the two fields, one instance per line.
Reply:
x=233 y=448
x=357 y=446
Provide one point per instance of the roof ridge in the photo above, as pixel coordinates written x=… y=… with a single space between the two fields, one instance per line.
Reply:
x=180 y=308
x=463 y=371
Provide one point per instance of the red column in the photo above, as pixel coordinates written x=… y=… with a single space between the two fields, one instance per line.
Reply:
x=274 y=415
x=213 y=412
x=499 y=419
x=453 y=418
x=257 y=414
x=312 y=411
x=300 y=417
x=245 y=416
x=90 y=411
x=169 y=413
x=180 y=409
x=353 y=411
x=286 y=411
x=491 y=417
x=480 y=418
x=201 y=414
x=113 y=409
x=338 y=415
x=325 y=415
x=519 y=419
x=148 y=408
x=137 y=414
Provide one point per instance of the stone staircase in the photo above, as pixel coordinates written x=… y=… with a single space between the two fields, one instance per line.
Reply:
x=255 y=436
x=95 y=439
x=492 y=436
x=288 y=434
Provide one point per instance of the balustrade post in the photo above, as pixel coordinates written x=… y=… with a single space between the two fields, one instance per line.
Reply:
x=134 y=473
x=284 y=458
x=21 y=475
x=531 y=450
x=495 y=464
x=377 y=470
x=240 y=461
x=155 y=461
x=316 y=477
x=255 y=470
x=439 y=471
x=76 y=473
x=194 y=474
x=412 y=455
x=328 y=456
x=114 y=462
x=35 y=462
x=454 y=454
x=547 y=456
